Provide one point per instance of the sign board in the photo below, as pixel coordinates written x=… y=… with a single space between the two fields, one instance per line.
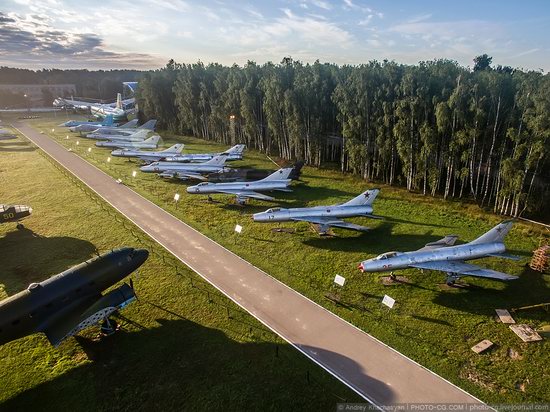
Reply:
x=119 y=181
x=482 y=346
x=504 y=316
x=77 y=142
x=89 y=150
x=134 y=173
x=238 y=228
x=53 y=130
x=388 y=301
x=339 y=280
x=67 y=137
x=176 y=197
x=108 y=160
x=526 y=333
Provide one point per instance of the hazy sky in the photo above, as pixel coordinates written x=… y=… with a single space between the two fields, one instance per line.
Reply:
x=146 y=33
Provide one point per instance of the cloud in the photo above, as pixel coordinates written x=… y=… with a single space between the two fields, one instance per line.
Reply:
x=27 y=39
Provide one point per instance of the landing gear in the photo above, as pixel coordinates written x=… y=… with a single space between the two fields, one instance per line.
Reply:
x=210 y=199
x=393 y=277
x=241 y=201
x=108 y=327
x=451 y=278
x=20 y=226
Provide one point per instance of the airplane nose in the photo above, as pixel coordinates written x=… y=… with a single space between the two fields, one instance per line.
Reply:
x=360 y=267
x=192 y=189
x=139 y=256
x=30 y=209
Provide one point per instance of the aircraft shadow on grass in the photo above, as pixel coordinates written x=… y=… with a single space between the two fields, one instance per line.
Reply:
x=180 y=362
x=530 y=288
x=16 y=147
x=374 y=242
x=29 y=257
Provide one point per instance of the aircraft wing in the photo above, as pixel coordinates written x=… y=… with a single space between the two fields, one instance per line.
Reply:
x=61 y=323
x=463 y=268
x=445 y=242
x=189 y=176
x=327 y=221
x=246 y=193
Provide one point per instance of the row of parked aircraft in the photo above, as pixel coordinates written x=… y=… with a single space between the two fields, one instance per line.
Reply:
x=211 y=168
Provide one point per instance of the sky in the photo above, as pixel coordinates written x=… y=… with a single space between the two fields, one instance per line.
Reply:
x=145 y=34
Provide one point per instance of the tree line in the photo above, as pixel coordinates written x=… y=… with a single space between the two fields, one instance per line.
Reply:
x=98 y=84
x=436 y=127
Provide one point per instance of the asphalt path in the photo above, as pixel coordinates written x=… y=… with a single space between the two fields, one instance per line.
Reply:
x=375 y=371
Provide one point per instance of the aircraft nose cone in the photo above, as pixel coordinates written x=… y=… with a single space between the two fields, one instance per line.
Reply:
x=192 y=189
x=30 y=210
x=360 y=267
x=139 y=256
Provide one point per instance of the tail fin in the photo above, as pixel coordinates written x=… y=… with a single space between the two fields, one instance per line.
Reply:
x=237 y=149
x=140 y=133
x=153 y=139
x=496 y=234
x=175 y=149
x=365 y=198
x=119 y=101
x=131 y=124
x=149 y=125
x=281 y=174
x=108 y=121
x=217 y=160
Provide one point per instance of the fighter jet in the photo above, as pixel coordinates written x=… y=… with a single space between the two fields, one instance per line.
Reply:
x=242 y=190
x=444 y=256
x=248 y=174
x=325 y=216
x=110 y=132
x=71 y=301
x=149 y=156
x=137 y=135
x=108 y=121
x=150 y=143
x=14 y=213
x=83 y=129
x=234 y=153
x=185 y=171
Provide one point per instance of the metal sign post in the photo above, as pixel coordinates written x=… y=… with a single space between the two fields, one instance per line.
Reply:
x=176 y=199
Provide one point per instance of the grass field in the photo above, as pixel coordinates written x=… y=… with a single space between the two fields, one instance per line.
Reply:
x=182 y=345
x=430 y=324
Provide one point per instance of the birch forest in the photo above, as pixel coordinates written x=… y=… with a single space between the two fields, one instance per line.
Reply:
x=438 y=128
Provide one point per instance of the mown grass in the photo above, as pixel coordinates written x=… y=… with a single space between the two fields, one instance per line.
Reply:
x=182 y=346
x=432 y=325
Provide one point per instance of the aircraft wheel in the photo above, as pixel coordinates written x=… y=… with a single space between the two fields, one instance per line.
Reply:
x=20 y=226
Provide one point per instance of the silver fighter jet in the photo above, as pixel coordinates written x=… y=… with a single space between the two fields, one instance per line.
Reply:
x=148 y=156
x=242 y=190
x=325 y=216
x=136 y=136
x=185 y=171
x=444 y=256
x=150 y=143
x=234 y=153
x=108 y=132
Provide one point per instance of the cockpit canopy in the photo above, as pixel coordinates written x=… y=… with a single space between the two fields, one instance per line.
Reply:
x=18 y=208
x=386 y=255
x=273 y=210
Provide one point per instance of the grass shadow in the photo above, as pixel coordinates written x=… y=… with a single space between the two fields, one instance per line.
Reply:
x=187 y=367
x=25 y=254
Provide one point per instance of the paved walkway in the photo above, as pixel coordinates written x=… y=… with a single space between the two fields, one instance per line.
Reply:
x=375 y=371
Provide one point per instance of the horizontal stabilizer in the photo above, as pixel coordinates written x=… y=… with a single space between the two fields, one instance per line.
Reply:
x=462 y=268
